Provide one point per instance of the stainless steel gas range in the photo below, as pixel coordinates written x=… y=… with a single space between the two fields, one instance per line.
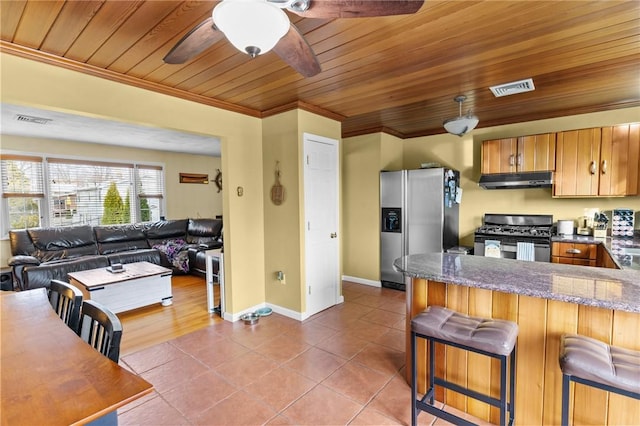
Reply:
x=526 y=237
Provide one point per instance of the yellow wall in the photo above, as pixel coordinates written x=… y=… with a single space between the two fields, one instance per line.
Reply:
x=283 y=137
x=45 y=86
x=281 y=223
x=362 y=155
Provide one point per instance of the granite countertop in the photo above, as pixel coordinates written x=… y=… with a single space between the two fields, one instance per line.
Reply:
x=584 y=285
x=615 y=246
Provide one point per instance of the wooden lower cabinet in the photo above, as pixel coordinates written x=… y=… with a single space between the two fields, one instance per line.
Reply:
x=538 y=377
x=574 y=253
x=604 y=259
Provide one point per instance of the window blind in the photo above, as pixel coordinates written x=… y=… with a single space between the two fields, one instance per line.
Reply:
x=89 y=192
x=22 y=176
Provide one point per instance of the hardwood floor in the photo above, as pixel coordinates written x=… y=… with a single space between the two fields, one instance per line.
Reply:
x=155 y=324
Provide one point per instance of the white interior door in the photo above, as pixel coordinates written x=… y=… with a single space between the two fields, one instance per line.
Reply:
x=322 y=257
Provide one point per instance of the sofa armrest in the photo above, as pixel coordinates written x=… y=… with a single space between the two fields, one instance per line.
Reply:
x=210 y=245
x=23 y=260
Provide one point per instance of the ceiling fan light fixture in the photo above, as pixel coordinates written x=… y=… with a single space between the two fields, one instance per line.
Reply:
x=252 y=26
x=461 y=125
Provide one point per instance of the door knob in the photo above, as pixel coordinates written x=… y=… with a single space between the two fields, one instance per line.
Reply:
x=334 y=235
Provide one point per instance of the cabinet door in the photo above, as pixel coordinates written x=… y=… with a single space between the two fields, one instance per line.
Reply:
x=577 y=163
x=499 y=156
x=536 y=153
x=619 y=161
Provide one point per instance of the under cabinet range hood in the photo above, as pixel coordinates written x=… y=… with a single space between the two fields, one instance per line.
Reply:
x=517 y=180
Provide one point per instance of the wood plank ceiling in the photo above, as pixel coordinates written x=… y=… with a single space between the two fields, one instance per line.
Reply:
x=396 y=74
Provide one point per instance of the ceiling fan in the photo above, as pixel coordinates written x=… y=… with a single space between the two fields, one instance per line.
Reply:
x=257 y=26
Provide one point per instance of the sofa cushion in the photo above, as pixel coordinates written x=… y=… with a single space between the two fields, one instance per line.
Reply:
x=165 y=230
x=21 y=244
x=63 y=242
x=119 y=238
x=204 y=231
x=41 y=275
x=141 y=255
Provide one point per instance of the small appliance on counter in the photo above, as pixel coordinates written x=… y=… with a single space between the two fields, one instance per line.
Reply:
x=586 y=223
x=565 y=227
x=622 y=223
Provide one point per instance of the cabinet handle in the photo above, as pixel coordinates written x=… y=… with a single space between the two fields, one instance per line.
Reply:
x=512 y=160
x=574 y=251
x=604 y=167
x=593 y=168
x=519 y=161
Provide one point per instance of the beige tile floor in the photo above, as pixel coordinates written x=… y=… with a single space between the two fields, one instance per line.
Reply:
x=343 y=366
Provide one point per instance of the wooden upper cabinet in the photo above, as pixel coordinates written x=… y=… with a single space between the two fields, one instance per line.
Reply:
x=537 y=153
x=499 y=156
x=577 y=161
x=598 y=162
x=522 y=154
x=619 y=160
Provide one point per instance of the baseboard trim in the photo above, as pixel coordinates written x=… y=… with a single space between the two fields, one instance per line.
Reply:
x=298 y=316
x=364 y=281
x=286 y=312
x=228 y=316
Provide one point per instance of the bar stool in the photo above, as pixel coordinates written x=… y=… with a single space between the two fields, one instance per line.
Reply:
x=493 y=338
x=594 y=363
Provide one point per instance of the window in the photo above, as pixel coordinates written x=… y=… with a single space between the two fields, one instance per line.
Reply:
x=78 y=192
x=22 y=191
x=150 y=190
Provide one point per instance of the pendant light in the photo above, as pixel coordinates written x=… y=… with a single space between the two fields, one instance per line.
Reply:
x=252 y=26
x=462 y=124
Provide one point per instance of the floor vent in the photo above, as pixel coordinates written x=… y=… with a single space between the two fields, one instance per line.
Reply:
x=513 y=88
x=32 y=119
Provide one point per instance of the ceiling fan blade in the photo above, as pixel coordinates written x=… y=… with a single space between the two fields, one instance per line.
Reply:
x=194 y=42
x=359 y=8
x=296 y=52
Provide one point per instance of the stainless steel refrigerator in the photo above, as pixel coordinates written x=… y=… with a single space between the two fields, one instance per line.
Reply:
x=419 y=214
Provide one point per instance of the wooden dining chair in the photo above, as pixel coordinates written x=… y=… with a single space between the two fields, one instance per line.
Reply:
x=66 y=300
x=100 y=328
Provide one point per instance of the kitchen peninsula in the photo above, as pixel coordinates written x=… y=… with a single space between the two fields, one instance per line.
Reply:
x=546 y=300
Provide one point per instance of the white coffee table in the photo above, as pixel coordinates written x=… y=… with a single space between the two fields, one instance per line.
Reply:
x=141 y=284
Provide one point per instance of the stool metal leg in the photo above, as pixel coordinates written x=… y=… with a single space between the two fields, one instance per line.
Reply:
x=503 y=390
x=414 y=380
x=432 y=369
x=565 y=400
x=512 y=387
x=506 y=403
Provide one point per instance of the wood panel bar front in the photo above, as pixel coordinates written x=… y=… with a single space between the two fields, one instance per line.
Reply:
x=538 y=377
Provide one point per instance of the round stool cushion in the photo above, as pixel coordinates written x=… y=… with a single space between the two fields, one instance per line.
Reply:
x=599 y=362
x=490 y=335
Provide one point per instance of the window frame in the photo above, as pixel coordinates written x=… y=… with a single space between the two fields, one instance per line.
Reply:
x=46 y=206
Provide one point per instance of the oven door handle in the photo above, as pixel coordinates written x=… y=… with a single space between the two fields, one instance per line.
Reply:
x=509 y=247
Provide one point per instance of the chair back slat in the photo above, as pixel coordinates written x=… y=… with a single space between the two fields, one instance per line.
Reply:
x=101 y=329
x=66 y=301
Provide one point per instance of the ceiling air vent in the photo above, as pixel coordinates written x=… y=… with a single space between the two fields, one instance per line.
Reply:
x=513 y=88
x=32 y=119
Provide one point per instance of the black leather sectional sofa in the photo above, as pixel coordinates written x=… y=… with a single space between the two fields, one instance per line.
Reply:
x=40 y=255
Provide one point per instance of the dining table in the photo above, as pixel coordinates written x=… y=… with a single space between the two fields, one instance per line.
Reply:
x=48 y=374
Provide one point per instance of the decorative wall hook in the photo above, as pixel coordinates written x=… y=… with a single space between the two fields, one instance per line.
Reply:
x=218 y=180
x=277 y=190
